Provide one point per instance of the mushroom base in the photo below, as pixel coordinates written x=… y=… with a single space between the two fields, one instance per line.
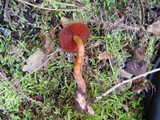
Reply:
x=82 y=104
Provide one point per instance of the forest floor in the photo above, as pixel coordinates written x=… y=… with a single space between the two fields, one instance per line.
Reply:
x=36 y=74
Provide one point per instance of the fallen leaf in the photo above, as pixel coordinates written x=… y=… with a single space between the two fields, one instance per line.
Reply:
x=38 y=98
x=47 y=46
x=140 y=52
x=142 y=85
x=154 y=28
x=64 y=21
x=52 y=33
x=34 y=61
x=136 y=67
x=104 y=55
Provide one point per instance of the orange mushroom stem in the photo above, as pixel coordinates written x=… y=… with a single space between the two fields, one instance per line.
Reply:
x=78 y=64
x=80 y=94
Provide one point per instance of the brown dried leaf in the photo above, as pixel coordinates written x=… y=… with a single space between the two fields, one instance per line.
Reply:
x=47 y=46
x=34 y=61
x=154 y=28
x=140 y=52
x=52 y=33
x=136 y=67
x=141 y=86
x=104 y=55
x=38 y=98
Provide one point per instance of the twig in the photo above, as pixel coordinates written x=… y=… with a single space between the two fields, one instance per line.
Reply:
x=17 y=91
x=125 y=82
x=65 y=4
x=142 y=11
x=2 y=91
x=50 y=9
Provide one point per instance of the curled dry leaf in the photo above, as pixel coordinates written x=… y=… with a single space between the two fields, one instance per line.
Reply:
x=52 y=33
x=47 y=46
x=154 y=28
x=136 y=67
x=140 y=52
x=34 y=61
x=104 y=55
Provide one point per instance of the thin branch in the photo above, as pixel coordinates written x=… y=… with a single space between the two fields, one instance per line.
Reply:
x=125 y=82
x=50 y=9
x=65 y=4
x=2 y=91
x=142 y=11
x=17 y=91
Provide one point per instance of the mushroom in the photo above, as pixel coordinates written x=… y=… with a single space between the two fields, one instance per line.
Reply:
x=72 y=37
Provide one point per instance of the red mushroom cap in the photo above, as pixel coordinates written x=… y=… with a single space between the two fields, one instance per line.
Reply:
x=67 y=33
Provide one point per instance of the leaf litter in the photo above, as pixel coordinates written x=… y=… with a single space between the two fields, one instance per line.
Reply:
x=39 y=57
x=34 y=61
x=154 y=28
x=104 y=55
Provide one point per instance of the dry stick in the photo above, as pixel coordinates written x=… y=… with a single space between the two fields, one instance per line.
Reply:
x=2 y=91
x=65 y=4
x=142 y=11
x=19 y=92
x=125 y=82
x=50 y=9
